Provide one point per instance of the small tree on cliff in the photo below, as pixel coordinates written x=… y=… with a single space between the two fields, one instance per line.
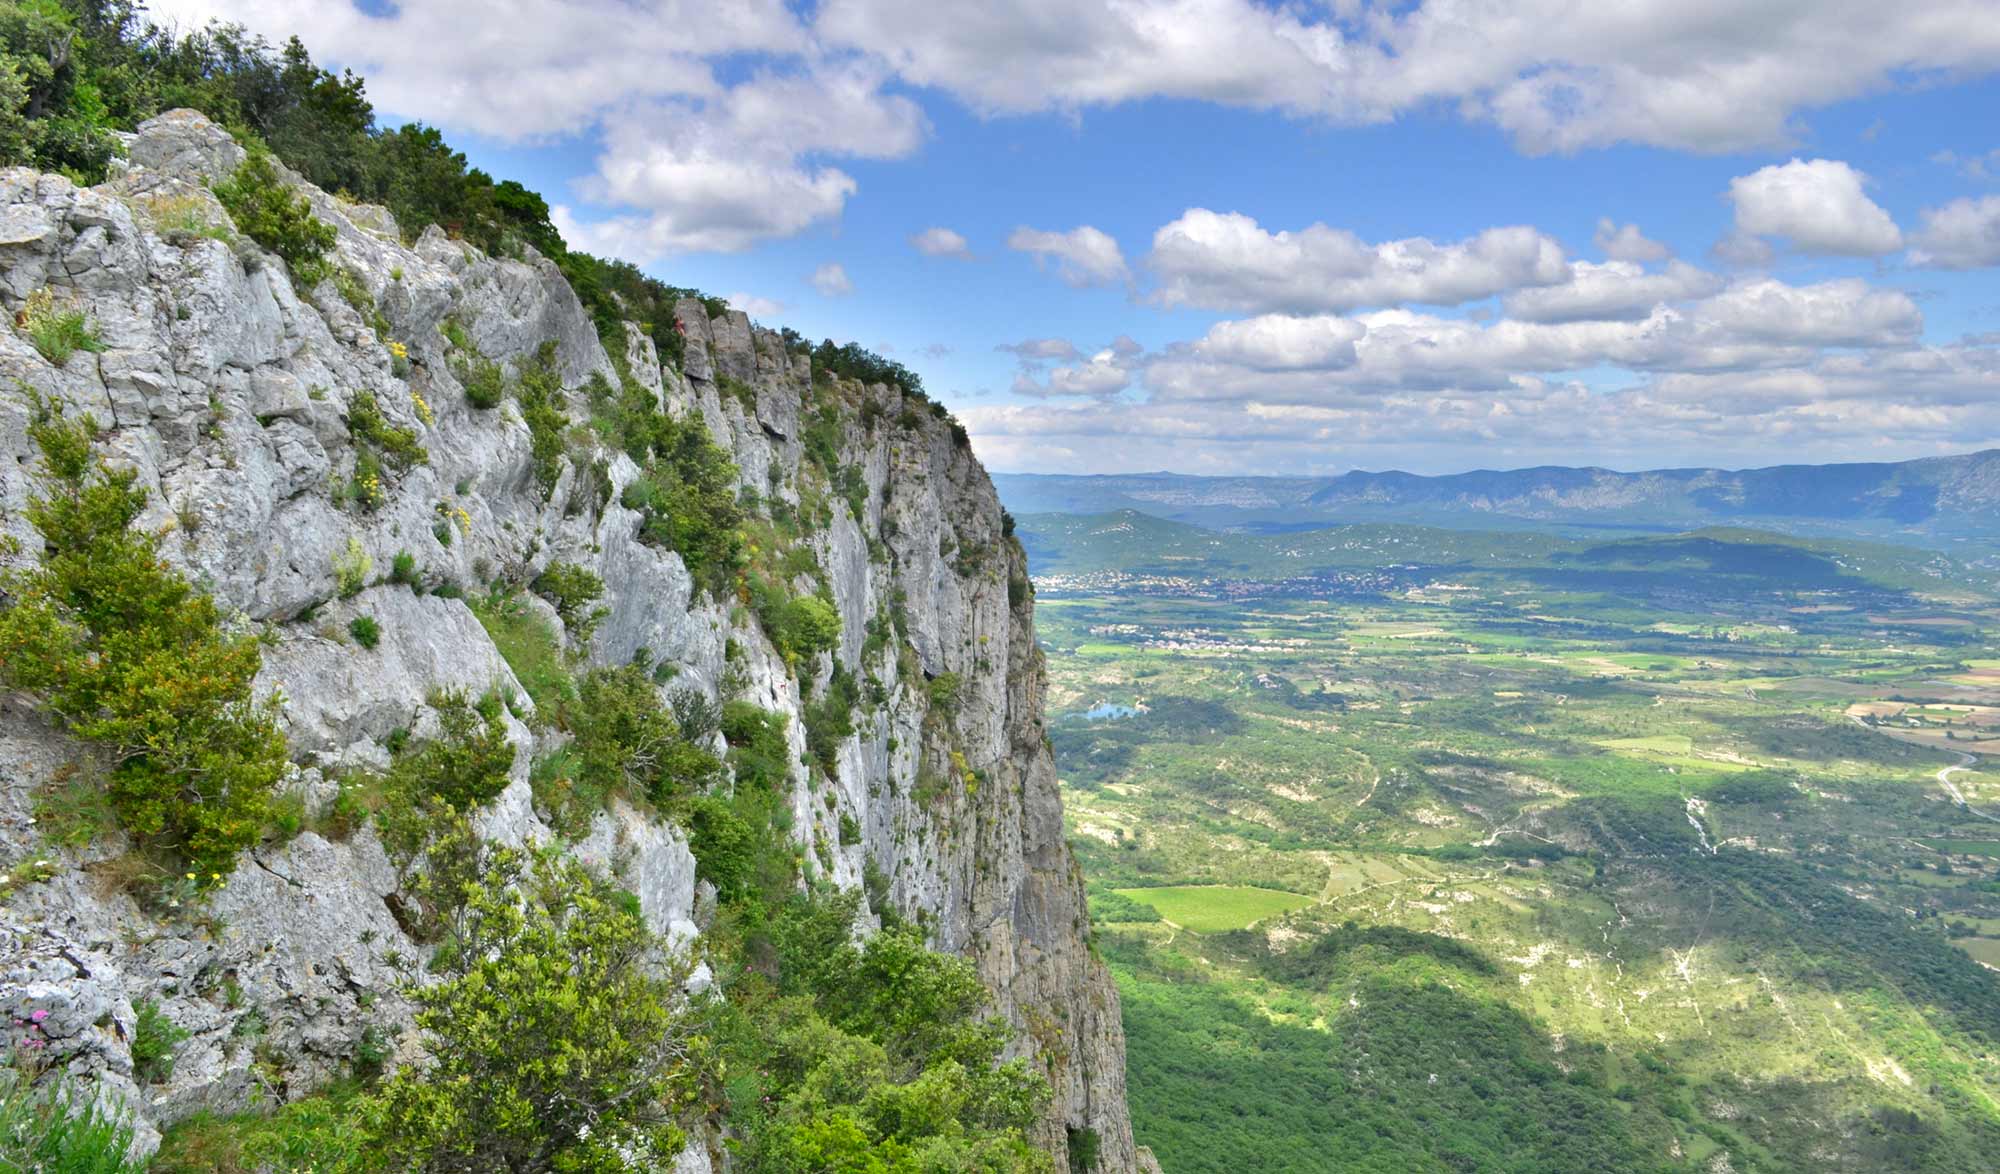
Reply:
x=552 y=1018
x=132 y=659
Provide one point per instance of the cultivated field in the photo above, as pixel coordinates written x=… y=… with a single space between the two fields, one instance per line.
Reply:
x=1523 y=870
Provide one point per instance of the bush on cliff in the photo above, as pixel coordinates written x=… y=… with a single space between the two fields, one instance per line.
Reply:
x=877 y=1056
x=571 y=588
x=551 y=1020
x=133 y=660
x=269 y=212
x=625 y=739
x=467 y=764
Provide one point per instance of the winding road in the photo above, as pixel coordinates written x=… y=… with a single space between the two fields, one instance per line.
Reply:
x=1966 y=762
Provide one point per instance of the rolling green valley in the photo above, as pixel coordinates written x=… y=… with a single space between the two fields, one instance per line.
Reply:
x=1421 y=850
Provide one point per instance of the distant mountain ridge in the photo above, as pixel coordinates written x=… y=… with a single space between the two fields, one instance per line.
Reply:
x=1136 y=543
x=1933 y=501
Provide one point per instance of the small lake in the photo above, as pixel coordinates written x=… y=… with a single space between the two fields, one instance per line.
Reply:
x=1106 y=711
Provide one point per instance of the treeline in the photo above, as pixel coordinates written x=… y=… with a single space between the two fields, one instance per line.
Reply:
x=73 y=72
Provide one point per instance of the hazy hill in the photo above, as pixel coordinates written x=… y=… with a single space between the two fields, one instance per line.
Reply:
x=1934 y=501
x=1134 y=542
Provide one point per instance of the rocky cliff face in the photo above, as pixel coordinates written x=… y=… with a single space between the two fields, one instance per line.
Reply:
x=229 y=392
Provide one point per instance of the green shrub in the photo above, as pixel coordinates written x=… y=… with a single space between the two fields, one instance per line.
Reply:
x=616 y=292
x=852 y=486
x=686 y=490
x=56 y=1129
x=403 y=569
x=757 y=747
x=367 y=424
x=348 y=284
x=801 y=626
x=744 y=394
x=566 y=803
x=364 y=490
x=551 y=1027
x=1083 y=1148
x=740 y=841
x=625 y=739
x=485 y=383
x=365 y=630
x=700 y=717
x=468 y=763
x=420 y=805
x=944 y=690
x=58 y=329
x=854 y=361
x=876 y=1056
x=1109 y=905
x=829 y=719
x=809 y=626
x=628 y=416
x=350 y=569
x=727 y=846
x=156 y=1040
x=270 y=213
x=822 y=439
x=686 y=497
x=572 y=589
x=134 y=661
x=540 y=394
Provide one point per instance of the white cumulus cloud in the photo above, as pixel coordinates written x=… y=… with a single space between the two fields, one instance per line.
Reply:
x=831 y=280
x=1101 y=375
x=1624 y=242
x=528 y=69
x=755 y=306
x=740 y=167
x=1226 y=261
x=1614 y=289
x=1555 y=75
x=1820 y=370
x=1964 y=234
x=1083 y=256
x=940 y=242
x=1819 y=205
x=1281 y=342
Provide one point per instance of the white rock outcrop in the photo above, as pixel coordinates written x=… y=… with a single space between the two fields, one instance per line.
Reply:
x=228 y=391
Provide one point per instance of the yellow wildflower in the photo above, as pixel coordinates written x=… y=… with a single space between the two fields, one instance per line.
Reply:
x=423 y=409
x=398 y=349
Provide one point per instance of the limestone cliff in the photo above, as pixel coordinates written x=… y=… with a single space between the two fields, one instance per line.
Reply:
x=230 y=393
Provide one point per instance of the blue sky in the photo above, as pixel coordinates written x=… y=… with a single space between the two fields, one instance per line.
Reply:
x=1248 y=237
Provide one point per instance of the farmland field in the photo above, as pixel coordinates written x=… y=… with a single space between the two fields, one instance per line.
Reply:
x=1212 y=908
x=1530 y=865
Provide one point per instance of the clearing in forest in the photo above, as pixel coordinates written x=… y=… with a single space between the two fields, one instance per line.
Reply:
x=1216 y=908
